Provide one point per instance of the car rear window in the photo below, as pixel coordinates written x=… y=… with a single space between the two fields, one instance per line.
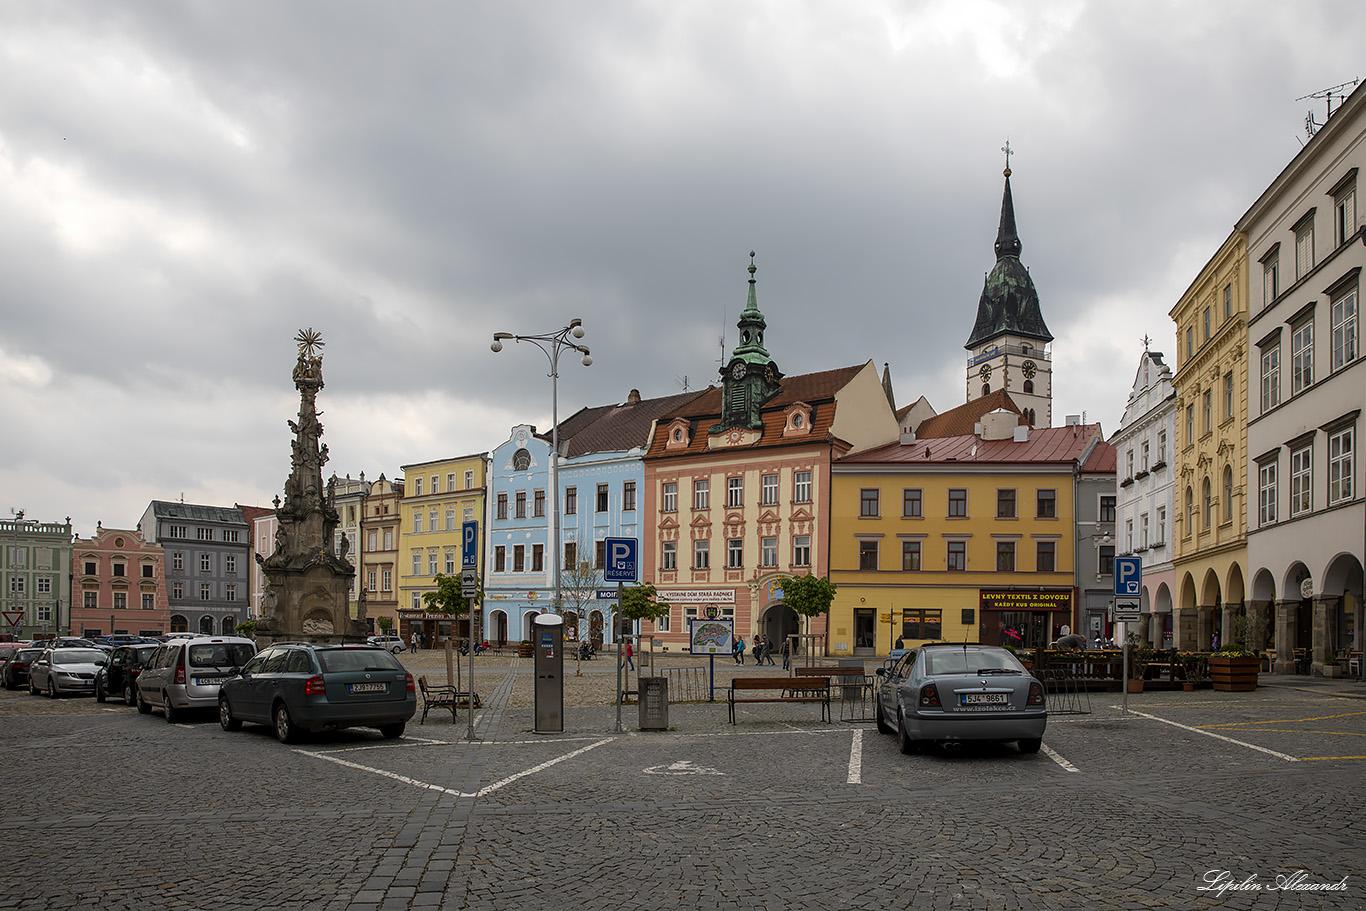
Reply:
x=357 y=659
x=77 y=656
x=220 y=654
x=969 y=661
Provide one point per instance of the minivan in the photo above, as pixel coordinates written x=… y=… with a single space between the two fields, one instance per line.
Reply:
x=185 y=674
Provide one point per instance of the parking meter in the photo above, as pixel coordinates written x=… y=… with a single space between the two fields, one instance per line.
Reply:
x=548 y=646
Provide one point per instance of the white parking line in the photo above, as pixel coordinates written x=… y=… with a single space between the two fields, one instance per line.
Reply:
x=1067 y=766
x=1186 y=727
x=856 y=759
x=534 y=769
x=396 y=777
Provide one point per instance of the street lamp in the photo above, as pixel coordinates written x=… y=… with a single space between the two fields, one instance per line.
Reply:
x=553 y=344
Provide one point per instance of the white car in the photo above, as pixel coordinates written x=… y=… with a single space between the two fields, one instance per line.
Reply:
x=392 y=643
x=66 y=670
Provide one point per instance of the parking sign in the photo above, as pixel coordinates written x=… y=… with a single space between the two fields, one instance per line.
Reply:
x=469 y=545
x=1128 y=576
x=621 y=560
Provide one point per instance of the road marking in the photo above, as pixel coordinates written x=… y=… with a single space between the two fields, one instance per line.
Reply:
x=1186 y=727
x=489 y=789
x=1234 y=724
x=1317 y=758
x=387 y=774
x=1067 y=766
x=681 y=767
x=856 y=759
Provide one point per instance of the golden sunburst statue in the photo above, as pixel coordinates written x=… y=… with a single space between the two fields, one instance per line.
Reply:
x=309 y=341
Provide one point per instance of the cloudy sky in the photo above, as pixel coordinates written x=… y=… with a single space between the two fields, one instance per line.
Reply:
x=185 y=186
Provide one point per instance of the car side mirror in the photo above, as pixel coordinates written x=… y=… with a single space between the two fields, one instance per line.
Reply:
x=881 y=672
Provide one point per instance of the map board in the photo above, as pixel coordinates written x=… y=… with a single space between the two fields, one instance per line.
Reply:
x=710 y=637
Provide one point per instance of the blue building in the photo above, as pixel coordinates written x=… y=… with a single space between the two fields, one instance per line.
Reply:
x=601 y=480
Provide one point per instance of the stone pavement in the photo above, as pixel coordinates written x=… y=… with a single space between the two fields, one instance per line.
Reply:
x=106 y=808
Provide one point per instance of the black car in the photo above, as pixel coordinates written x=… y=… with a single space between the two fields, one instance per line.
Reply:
x=15 y=671
x=298 y=687
x=119 y=677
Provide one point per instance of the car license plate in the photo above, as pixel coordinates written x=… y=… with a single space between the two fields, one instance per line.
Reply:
x=369 y=687
x=209 y=681
x=984 y=699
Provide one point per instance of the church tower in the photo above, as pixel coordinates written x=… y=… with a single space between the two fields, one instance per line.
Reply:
x=1008 y=348
x=751 y=376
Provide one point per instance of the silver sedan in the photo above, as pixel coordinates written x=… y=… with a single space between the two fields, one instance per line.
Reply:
x=955 y=693
x=66 y=670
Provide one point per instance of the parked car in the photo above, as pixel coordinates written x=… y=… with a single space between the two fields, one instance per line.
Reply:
x=185 y=674
x=122 y=639
x=15 y=671
x=299 y=687
x=7 y=649
x=392 y=643
x=119 y=676
x=59 y=671
x=955 y=693
x=70 y=642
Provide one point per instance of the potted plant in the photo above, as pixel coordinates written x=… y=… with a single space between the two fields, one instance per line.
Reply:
x=1194 y=670
x=1234 y=667
x=1140 y=656
x=1331 y=668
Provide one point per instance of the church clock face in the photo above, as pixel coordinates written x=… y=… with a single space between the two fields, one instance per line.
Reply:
x=985 y=373
x=738 y=371
x=1030 y=369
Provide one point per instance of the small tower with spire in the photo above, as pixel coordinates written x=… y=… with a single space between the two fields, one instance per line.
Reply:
x=750 y=377
x=1008 y=347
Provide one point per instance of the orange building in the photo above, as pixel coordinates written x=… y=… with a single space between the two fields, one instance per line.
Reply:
x=120 y=585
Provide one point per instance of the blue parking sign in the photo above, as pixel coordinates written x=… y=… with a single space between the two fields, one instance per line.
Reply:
x=469 y=545
x=1128 y=576
x=621 y=560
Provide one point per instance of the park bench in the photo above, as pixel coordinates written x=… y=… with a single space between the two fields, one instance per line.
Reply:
x=443 y=696
x=781 y=689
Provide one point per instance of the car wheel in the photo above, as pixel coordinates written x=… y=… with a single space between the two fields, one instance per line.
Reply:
x=129 y=694
x=225 y=718
x=908 y=746
x=144 y=707
x=392 y=731
x=32 y=690
x=172 y=716
x=397 y=650
x=51 y=688
x=285 y=732
x=882 y=726
x=1030 y=744
x=99 y=690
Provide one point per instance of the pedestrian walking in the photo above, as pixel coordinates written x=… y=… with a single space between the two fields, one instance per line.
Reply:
x=412 y=642
x=787 y=654
x=768 y=651
x=756 y=649
x=629 y=662
x=740 y=651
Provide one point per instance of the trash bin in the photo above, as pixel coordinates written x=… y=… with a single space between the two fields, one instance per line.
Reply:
x=654 y=703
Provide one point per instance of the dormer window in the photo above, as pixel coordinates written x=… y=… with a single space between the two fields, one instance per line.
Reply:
x=678 y=435
x=521 y=460
x=798 y=420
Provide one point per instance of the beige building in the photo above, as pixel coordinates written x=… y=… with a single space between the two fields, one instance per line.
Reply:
x=379 y=535
x=1210 y=454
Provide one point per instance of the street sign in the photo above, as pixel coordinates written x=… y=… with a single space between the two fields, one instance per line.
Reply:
x=621 y=560
x=14 y=617
x=469 y=545
x=605 y=594
x=1126 y=612
x=469 y=583
x=1128 y=576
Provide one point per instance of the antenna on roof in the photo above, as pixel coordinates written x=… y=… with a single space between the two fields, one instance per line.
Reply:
x=682 y=382
x=1312 y=126
x=722 y=338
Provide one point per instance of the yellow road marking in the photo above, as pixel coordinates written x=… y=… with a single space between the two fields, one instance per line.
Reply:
x=1234 y=724
x=1316 y=758
x=1307 y=731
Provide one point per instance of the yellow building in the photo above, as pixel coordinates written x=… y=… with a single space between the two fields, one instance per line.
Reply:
x=1210 y=521
x=967 y=538
x=438 y=497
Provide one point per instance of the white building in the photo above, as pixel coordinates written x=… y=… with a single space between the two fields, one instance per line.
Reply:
x=1307 y=387
x=1146 y=484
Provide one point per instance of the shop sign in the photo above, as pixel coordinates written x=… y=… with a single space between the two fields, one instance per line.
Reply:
x=1000 y=599
x=698 y=595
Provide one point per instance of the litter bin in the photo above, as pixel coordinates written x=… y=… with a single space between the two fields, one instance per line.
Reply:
x=654 y=703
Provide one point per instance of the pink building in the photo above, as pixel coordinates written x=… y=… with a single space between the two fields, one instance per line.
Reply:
x=119 y=585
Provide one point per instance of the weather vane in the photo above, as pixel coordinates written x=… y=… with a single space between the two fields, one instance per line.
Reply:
x=309 y=341
x=1146 y=342
x=1007 y=149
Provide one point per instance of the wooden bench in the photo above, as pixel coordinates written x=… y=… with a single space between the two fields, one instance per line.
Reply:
x=848 y=678
x=443 y=696
x=781 y=689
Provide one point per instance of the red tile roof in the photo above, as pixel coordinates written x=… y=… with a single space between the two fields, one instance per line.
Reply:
x=617 y=428
x=1103 y=459
x=1048 y=445
x=962 y=420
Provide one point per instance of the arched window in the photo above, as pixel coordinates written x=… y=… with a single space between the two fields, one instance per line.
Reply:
x=521 y=460
x=1029 y=386
x=206 y=625
x=986 y=389
x=1190 y=510
x=179 y=624
x=229 y=626
x=1205 y=502
x=1228 y=493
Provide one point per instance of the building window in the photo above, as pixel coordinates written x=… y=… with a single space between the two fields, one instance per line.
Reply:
x=602 y=499
x=571 y=501
x=669 y=498
x=519 y=558
x=203 y=534
x=469 y=478
x=1190 y=342
x=1106 y=557
x=433 y=562
x=1304 y=248
x=91 y=568
x=230 y=592
x=1228 y=396
x=1344 y=320
x=230 y=565
x=600 y=555
x=1228 y=301
x=450 y=518
x=500 y=559
x=387 y=578
x=1005 y=503
x=1107 y=508
x=370 y=580
x=501 y=512
x=958 y=556
x=370 y=542
x=1271 y=376
x=1190 y=511
x=922 y=624
x=668 y=556
x=388 y=539
x=701 y=555
x=44 y=585
x=735 y=492
x=436 y=483
x=768 y=490
x=177 y=531
x=417 y=562
x=538 y=558
x=450 y=562
x=147 y=571
x=571 y=555
x=204 y=591
x=1341 y=465
x=912 y=506
x=178 y=590
x=1128 y=463
x=701 y=494
x=16 y=585
x=1206 y=401
x=1161 y=525
x=628 y=496
x=450 y=482
x=1345 y=215
x=868 y=502
x=1190 y=424
x=1046 y=504
x=801 y=487
x=417 y=487
x=149 y=602
x=910 y=556
x=120 y=569
x=1044 y=554
x=958 y=502
x=519 y=504
x=662 y=624
x=1301 y=480
x=867 y=555
x=1162 y=447
x=1145 y=450
x=1005 y=556
x=432 y=524
x=1302 y=356
x=768 y=552
x=1206 y=325
x=1143 y=531
x=1271 y=279
x=801 y=550
x=205 y=564
x=735 y=553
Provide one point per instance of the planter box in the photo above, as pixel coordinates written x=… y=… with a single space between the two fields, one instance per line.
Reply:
x=1234 y=675
x=1134 y=686
x=526 y=650
x=1332 y=670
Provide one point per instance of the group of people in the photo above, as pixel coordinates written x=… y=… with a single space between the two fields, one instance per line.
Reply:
x=762 y=650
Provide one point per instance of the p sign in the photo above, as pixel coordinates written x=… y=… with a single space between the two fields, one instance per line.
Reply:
x=1128 y=576
x=621 y=560
x=469 y=545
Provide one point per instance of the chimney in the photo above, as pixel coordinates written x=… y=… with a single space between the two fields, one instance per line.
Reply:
x=633 y=397
x=1022 y=433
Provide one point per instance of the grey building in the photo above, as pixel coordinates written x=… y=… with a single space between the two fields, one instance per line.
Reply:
x=208 y=549
x=1094 y=527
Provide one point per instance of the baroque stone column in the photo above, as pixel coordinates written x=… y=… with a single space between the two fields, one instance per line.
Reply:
x=1183 y=628
x=1285 y=636
x=1324 y=641
x=1204 y=624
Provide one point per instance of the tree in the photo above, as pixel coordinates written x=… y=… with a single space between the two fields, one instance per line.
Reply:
x=578 y=590
x=447 y=600
x=385 y=624
x=809 y=595
x=641 y=602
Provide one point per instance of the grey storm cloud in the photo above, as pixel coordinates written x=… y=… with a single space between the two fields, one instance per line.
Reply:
x=182 y=188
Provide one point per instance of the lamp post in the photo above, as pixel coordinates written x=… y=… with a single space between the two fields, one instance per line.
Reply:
x=553 y=344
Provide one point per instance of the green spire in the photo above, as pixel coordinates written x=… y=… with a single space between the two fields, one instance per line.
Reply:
x=752 y=323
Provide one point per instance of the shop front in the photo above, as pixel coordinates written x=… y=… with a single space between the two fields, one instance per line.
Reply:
x=432 y=628
x=1021 y=619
